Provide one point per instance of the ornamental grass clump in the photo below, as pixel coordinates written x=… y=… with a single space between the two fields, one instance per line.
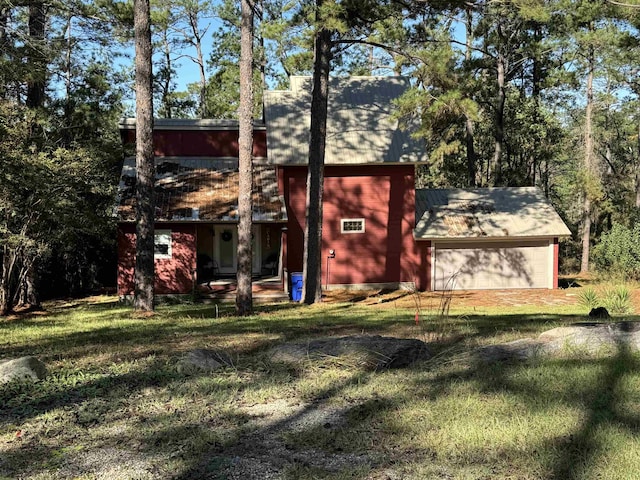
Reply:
x=618 y=299
x=588 y=298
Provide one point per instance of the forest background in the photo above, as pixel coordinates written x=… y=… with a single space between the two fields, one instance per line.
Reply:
x=507 y=93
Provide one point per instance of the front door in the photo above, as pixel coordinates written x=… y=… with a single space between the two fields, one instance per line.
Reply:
x=226 y=248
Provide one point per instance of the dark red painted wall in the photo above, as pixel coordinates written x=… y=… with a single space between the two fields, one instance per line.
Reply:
x=555 y=261
x=174 y=275
x=205 y=143
x=385 y=197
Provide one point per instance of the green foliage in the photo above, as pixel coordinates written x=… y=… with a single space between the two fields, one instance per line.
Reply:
x=618 y=252
x=222 y=96
x=589 y=298
x=59 y=162
x=618 y=299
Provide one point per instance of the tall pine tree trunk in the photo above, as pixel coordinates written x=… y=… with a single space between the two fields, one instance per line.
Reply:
x=37 y=56
x=315 y=177
x=145 y=168
x=496 y=161
x=589 y=169
x=197 y=43
x=536 y=87
x=244 y=298
x=166 y=101
x=37 y=67
x=637 y=183
x=469 y=124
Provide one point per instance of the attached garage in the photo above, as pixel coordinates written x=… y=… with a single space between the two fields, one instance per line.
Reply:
x=492 y=238
x=486 y=265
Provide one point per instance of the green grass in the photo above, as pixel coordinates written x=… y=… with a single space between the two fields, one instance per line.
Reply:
x=114 y=390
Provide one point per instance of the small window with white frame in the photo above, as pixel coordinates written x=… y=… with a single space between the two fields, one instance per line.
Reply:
x=162 y=244
x=352 y=225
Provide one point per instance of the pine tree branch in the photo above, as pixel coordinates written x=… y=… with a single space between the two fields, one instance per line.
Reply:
x=621 y=4
x=387 y=48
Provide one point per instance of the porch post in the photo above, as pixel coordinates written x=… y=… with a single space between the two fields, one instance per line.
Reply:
x=283 y=271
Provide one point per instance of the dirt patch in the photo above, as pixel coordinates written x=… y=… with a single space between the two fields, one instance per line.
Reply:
x=459 y=299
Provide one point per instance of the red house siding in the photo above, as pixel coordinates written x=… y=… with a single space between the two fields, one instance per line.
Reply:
x=174 y=275
x=384 y=197
x=555 y=262
x=205 y=143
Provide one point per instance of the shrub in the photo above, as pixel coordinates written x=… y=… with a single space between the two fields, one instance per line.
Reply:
x=618 y=299
x=588 y=298
x=618 y=252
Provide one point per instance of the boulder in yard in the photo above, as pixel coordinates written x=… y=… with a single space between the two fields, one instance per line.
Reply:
x=593 y=336
x=371 y=351
x=203 y=360
x=588 y=337
x=521 y=349
x=29 y=368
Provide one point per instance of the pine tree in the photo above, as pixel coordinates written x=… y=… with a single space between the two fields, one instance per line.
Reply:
x=244 y=298
x=145 y=168
x=315 y=176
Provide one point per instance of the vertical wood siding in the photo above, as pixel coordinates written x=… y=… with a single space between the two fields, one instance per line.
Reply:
x=200 y=143
x=174 y=275
x=382 y=195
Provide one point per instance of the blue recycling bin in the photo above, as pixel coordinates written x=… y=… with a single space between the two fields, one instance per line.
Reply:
x=296 y=286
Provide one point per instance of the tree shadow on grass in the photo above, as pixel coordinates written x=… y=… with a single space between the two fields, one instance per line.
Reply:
x=89 y=403
x=267 y=444
x=601 y=402
x=580 y=451
x=565 y=455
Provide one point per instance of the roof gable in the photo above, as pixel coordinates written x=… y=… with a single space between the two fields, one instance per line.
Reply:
x=361 y=127
x=486 y=212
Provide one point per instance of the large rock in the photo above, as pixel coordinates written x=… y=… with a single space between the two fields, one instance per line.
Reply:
x=592 y=337
x=29 y=368
x=585 y=337
x=521 y=349
x=371 y=351
x=203 y=360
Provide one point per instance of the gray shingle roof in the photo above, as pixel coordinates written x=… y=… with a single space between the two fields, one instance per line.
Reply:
x=360 y=124
x=202 y=189
x=486 y=212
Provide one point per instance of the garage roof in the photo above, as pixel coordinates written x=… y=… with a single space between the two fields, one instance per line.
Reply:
x=361 y=126
x=486 y=213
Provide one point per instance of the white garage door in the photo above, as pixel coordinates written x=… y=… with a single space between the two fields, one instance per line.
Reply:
x=487 y=265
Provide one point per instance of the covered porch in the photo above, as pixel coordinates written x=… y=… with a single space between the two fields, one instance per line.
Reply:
x=217 y=251
x=266 y=288
x=196 y=244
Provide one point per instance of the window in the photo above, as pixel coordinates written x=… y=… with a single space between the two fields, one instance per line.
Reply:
x=352 y=225
x=162 y=244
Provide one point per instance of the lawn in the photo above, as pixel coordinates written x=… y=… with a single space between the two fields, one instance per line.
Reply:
x=115 y=406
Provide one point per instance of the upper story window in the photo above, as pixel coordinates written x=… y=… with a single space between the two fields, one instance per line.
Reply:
x=162 y=244
x=352 y=225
